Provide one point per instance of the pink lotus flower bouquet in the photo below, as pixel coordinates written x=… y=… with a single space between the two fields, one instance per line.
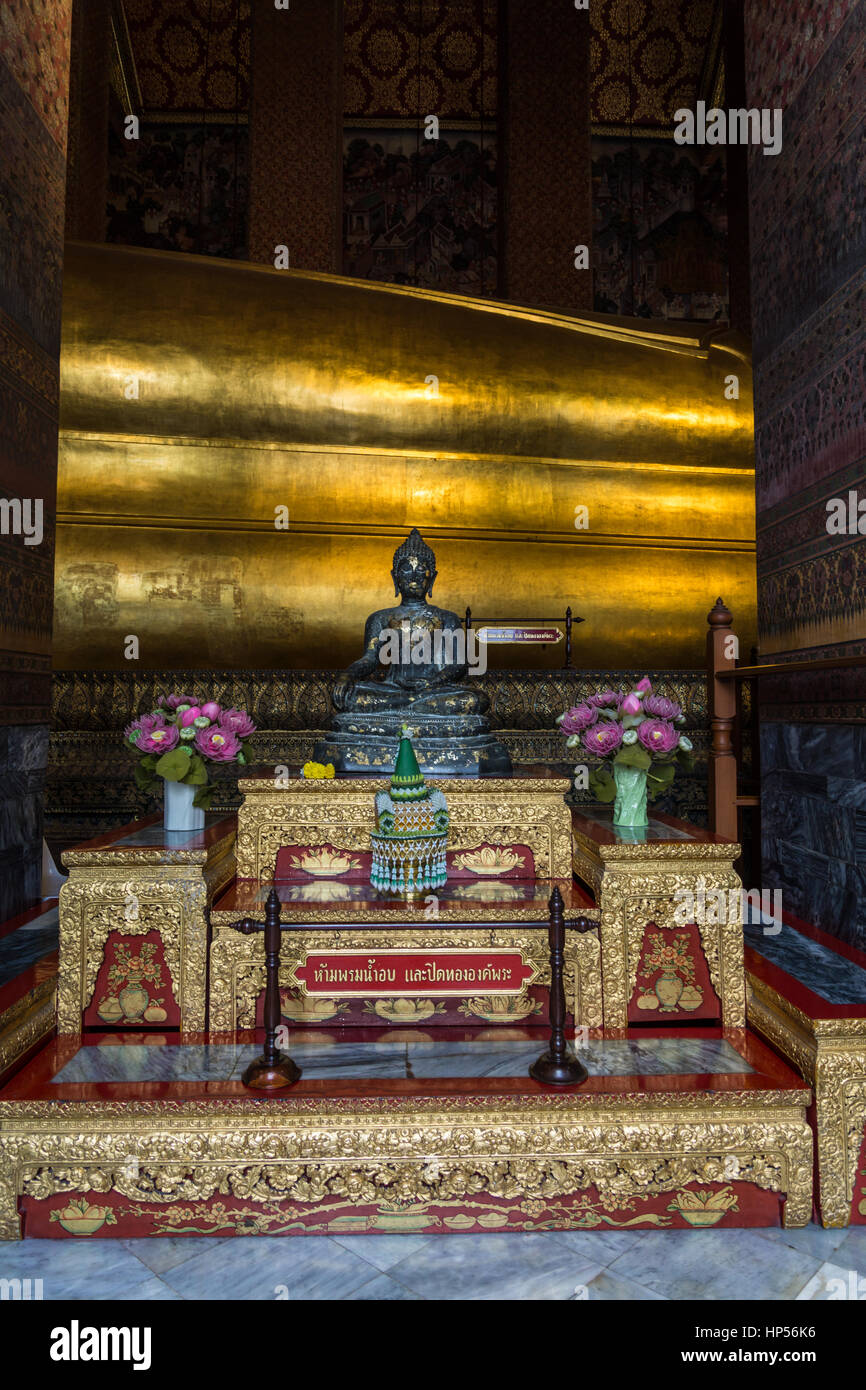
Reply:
x=634 y=730
x=181 y=737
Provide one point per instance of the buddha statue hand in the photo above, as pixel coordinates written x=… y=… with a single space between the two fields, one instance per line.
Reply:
x=344 y=689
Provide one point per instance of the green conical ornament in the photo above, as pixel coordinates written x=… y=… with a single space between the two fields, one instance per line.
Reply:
x=407 y=780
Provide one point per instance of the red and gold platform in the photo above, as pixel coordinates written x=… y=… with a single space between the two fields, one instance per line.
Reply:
x=402 y=1130
x=414 y=1024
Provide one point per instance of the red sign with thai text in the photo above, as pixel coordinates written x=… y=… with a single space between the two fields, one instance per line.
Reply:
x=406 y=974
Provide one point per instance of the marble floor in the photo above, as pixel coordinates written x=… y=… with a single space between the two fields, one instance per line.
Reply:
x=574 y=1266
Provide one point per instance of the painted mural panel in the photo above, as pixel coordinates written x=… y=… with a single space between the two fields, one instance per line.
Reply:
x=659 y=229
x=421 y=212
x=180 y=187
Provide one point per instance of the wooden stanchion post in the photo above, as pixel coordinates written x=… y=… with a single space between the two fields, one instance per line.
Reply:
x=558 y=1066
x=273 y=1070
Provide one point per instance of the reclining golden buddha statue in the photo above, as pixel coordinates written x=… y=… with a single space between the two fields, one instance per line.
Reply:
x=413 y=672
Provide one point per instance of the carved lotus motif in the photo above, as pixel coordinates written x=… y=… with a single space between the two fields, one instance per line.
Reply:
x=406 y=1010
x=324 y=863
x=494 y=1006
x=490 y=859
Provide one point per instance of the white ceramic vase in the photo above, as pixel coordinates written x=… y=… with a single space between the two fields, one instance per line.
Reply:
x=178 y=811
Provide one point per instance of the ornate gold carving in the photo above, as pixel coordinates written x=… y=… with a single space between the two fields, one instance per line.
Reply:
x=412 y=1152
x=26 y=1022
x=831 y=1055
x=133 y=892
x=638 y=883
x=528 y=811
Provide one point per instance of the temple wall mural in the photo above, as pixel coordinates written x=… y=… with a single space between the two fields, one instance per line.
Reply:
x=180 y=187
x=659 y=247
x=420 y=212
x=809 y=287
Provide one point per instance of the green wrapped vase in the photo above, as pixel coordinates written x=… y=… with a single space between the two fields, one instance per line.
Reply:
x=629 y=807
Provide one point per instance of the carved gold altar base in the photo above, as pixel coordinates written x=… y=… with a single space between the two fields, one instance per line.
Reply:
x=830 y=1053
x=407 y=1154
x=528 y=809
x=665 y=876
x=120 y=883
x=28 y=1021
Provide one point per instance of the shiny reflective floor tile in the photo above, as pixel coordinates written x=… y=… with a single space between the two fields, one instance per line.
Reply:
x=527 y=1267
x=149 y=1062
x=579 y=1266
x=834 y=1283
x=383 y=1289
x=349 y=1060
x=609 y=1287
x=715 y=1264
x=389 y=1060
x=164 y=1252
x=602 y=1057
x=830 y=975
x=382 y=1251
x=75 y=1268
x=271 y=1268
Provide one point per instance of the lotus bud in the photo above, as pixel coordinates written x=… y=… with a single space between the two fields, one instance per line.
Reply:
x=189 y=716
x=631 y=704
x=211 y=709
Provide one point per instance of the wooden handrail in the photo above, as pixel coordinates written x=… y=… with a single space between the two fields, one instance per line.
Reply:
x=784 y=668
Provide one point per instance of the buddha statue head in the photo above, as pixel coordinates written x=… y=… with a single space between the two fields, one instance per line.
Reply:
x=414 y=568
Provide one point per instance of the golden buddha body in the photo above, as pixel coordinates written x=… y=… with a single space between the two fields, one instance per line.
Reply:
x=415 y=667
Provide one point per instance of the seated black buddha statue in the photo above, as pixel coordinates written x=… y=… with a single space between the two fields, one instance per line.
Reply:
x=413 y=673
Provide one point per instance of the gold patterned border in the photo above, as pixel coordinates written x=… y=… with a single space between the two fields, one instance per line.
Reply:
x=529 y=811
x=415 y=1153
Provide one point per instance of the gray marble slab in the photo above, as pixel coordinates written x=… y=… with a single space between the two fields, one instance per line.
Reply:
x=26 y=945
x=157 y=835
x=636 y=835
x=386 y=1060
x=834 y=978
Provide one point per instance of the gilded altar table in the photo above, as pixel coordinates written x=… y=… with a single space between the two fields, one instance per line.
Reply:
x=282 y=809
x=144 y=890
x=157 y=1136
x=670 y=901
